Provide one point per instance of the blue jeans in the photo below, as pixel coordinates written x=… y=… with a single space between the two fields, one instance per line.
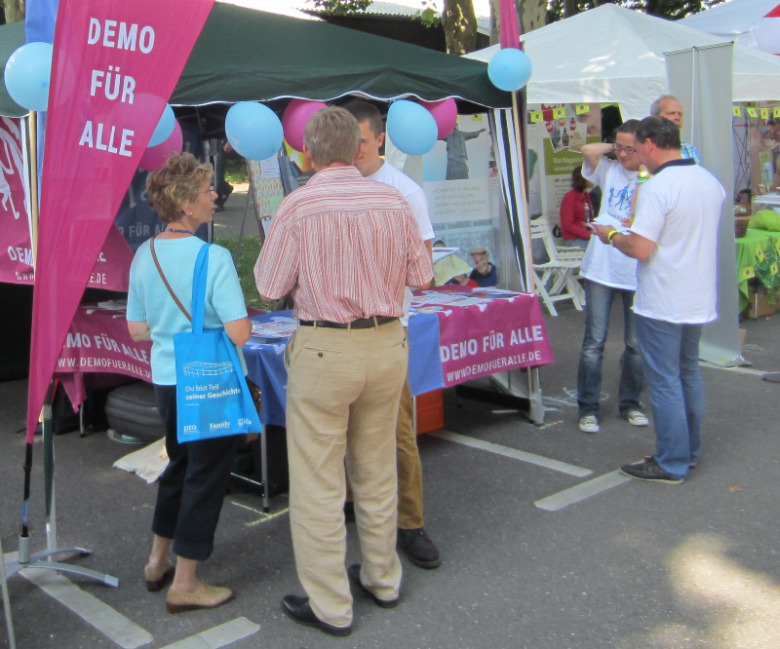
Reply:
x=598 y=300
x=671 y=356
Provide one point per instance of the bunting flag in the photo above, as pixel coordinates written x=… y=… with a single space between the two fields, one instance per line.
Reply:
x=766 y=34
x=115 y=65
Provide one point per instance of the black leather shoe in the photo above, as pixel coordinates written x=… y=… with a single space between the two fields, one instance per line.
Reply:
x=354 y=577
x=298 y=609
x=419 y=548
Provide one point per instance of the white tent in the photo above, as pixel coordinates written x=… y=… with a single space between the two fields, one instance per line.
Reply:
x=611 y=54
x=753 y=23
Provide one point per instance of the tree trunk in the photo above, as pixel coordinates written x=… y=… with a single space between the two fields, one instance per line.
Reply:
x=14 y=10
x=460 y=26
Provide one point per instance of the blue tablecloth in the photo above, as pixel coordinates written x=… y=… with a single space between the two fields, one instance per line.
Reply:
x=455 y=334
x=264 y=354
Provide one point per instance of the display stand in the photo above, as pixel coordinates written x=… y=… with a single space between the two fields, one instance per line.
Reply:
x=44 y=559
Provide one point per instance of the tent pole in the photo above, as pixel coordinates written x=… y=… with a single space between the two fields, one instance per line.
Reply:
x=526 y=234
x=9 y=623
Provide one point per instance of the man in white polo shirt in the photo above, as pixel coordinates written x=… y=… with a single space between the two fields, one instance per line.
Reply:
x=674 y=236
x=412 y=537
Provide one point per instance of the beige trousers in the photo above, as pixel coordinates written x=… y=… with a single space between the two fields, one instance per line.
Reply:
x=410 y=480
x=343 y=390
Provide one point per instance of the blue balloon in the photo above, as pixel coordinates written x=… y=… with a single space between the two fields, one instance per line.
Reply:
x=253 y=130
x=411 y=127
x=509 y=69
x=27 y=74
x=164 y=127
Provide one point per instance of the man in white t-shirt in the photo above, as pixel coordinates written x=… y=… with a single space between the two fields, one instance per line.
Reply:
x=675 y=238
x=609 y=275
x=412 y=537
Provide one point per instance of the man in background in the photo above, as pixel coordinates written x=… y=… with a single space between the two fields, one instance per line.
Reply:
x=346 y=248
x=412 y=536
x=670 y=107
x=675 y=238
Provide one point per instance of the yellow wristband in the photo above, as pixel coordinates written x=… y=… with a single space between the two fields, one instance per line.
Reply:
x=611 y=234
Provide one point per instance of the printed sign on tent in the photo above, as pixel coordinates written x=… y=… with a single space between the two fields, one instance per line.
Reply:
x=16 y=257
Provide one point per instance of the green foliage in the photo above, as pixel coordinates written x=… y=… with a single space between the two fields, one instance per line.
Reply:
x=235 y=169
x=340 y=7
x=671 y=9
x=244 y=260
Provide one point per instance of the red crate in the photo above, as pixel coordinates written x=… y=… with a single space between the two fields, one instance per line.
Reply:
x=430 y=411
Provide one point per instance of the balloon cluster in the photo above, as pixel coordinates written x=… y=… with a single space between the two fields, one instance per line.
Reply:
x=255 y=132
x=414 y=128
x=27 y=74
x=509 y=69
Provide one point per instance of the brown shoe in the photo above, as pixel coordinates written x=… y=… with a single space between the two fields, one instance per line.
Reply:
x=157 y=576
x=205 y=597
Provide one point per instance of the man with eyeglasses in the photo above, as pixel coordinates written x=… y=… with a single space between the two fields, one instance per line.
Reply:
x=608 y=275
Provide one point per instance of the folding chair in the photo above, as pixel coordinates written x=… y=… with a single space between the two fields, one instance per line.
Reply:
x=556 y=279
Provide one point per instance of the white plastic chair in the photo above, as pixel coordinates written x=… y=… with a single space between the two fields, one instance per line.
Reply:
x=556 y=279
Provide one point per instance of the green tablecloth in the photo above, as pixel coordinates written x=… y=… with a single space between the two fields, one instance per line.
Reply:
x=758 y=255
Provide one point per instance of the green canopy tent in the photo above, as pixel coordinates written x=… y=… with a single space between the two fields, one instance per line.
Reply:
x=248 y=55
x=243 y=54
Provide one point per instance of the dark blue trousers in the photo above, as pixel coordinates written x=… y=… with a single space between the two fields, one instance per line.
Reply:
x=192 y=488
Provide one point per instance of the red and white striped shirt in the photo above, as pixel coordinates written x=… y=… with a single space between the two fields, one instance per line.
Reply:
x=345 y=246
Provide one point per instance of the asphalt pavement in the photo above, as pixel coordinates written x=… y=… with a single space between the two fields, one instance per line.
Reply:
x=544 y=545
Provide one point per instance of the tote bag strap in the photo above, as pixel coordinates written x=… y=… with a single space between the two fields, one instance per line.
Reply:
x=165 y=280
x=199 y=276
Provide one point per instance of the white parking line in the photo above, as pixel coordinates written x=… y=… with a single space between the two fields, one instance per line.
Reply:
x=112 y=624
x=581 y=491
x=506 y=451
x=218 y=636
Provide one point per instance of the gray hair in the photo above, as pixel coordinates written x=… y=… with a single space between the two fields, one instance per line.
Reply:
x=655 y=107
x=332 y=134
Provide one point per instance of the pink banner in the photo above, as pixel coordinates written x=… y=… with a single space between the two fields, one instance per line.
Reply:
x=98 y=341
x=509 y=32
x=115 y=65
x=484 y=331
x=16 y=256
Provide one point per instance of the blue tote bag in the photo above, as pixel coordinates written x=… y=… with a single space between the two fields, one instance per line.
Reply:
x=212 y=396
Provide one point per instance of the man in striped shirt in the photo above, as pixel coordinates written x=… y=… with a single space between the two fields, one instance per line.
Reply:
x=345 y=247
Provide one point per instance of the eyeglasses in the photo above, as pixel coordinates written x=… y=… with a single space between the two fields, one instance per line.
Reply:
x=210 y=190
x=627 y=149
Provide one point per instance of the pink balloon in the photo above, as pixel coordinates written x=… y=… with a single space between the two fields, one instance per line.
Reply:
x=155 y=156
x=445 y=112
x=294 y=120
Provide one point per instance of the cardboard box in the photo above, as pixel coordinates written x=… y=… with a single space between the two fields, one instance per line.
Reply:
x=430 y=411
x=758 y=304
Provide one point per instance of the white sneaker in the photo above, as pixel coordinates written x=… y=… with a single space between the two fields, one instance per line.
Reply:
x=636 y=418
x=589 y=424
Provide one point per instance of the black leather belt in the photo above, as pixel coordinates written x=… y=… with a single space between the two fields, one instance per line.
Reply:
x=362 y=323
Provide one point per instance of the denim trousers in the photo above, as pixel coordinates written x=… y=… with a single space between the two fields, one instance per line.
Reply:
x=598 y=307
x=671 y=357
